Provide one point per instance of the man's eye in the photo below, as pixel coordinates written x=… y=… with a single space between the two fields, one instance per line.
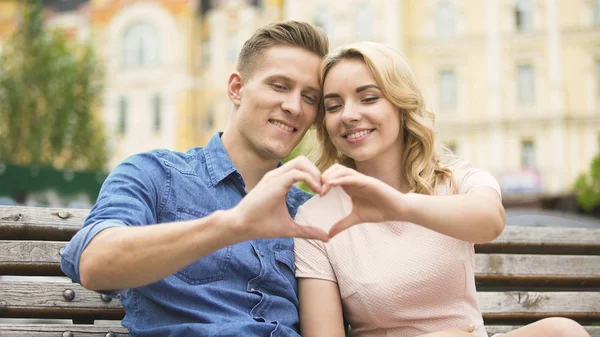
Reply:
x=309 y=99
x=278 y=87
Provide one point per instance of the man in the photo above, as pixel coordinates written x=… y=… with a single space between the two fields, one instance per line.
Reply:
x=220 y=261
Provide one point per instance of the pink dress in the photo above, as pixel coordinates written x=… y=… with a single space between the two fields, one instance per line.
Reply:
x=395 y=278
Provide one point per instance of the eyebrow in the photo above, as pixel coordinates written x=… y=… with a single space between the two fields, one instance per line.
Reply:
x=359 y=89
x=365 y=87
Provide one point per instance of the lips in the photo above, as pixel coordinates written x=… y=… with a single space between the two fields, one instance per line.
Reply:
x=283 y=126
x=353 y=134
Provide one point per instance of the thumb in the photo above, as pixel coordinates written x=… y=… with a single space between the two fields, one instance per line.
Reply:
x=344 y=223
x=468 y=328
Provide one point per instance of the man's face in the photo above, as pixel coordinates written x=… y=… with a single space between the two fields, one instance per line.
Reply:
x=278 y=101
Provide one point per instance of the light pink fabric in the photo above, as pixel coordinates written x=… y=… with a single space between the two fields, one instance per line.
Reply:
x=395 y=278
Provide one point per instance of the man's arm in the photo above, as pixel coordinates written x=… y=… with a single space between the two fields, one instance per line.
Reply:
x=127 y=257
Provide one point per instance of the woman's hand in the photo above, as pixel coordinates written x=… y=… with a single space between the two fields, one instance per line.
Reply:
x=464 y=331
x=372 y=199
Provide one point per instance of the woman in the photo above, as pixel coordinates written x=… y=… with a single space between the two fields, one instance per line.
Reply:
x=407 y=270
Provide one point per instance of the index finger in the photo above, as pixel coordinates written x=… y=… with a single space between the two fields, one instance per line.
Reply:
x=300 y=163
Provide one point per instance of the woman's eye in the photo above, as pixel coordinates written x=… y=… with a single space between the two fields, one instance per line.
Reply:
x=332 y=107
x=370 y=99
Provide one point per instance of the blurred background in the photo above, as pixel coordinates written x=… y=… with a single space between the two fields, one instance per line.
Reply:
x=515 y=85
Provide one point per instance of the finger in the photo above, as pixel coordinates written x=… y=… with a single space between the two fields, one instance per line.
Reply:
x=344 y=223
x=311 y=232
x=347 y=181
x=296 y=175
x=325 y=187
x=336 y=171
x=469 y=328
x=300 y=163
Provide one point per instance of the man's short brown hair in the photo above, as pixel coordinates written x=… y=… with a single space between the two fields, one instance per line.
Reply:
x=291 y=33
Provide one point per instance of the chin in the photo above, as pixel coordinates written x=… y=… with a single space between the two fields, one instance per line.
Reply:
x=278 y=153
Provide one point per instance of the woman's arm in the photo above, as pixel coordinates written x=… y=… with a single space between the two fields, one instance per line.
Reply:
x=477 y=216
x=320 y=308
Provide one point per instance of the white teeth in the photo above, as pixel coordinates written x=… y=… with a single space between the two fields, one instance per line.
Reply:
x=283 y=126
x=358 y=134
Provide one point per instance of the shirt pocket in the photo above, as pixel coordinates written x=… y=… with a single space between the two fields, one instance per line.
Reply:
x=211 y=268
x=284 y=257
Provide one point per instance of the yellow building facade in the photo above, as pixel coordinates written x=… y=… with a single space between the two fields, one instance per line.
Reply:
x=515 y=84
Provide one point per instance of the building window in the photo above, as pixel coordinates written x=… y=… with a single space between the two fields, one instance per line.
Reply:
x=232 y=47
x=122 y=116
x=324 y=20
x=205 y=6
x=598 y=76
x=140 y=46
x=364 y=21
x=446 y=20
x=447 y=88
x=526 y=94
x=451 y=145
x=157 y=112
x=524 y=15
x=209 y=119
x=528 y=154
x=257 y=3
x=206 y=53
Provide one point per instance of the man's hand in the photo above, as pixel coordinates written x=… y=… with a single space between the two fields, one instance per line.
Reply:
x=372 y=199
x=263 y=213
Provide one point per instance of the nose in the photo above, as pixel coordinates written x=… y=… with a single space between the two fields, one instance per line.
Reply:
x=293 y=104
x=350 y=114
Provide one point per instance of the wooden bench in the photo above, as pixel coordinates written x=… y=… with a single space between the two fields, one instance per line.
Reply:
x=528 y=273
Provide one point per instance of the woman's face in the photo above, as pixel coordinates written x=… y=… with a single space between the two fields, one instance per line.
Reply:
x=360 y=121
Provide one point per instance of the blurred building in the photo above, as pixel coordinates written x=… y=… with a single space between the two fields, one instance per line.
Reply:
x=515 y=84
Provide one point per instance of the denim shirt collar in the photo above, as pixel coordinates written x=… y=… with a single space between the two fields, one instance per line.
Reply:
x=218 y=161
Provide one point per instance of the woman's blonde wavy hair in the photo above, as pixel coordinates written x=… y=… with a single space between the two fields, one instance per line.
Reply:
x=422 y=167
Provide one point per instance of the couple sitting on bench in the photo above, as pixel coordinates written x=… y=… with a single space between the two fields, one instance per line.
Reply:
x=210 y=242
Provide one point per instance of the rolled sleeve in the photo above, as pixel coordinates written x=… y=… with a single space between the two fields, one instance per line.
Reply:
x=71 y=254
x=130 y=196
x=312 y=260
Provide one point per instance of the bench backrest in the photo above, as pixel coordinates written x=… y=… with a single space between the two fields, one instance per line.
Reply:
x=528 y=273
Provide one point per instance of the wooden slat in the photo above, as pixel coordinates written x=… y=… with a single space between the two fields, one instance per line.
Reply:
x=38 y=223
x=519 y=306
x=537 y=270
x=57 y=330
x=594 y=331
x=41 y=258
x=46 y=300
x=545 y=240
x=31 y=258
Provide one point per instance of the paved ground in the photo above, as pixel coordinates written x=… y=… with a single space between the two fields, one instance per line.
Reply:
x=548 y=218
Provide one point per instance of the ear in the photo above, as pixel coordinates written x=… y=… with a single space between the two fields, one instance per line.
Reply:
x=234 y=88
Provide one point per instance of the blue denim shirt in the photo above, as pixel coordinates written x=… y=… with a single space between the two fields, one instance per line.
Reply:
x=246 y=289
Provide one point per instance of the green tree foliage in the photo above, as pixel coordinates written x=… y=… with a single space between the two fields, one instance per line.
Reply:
x=588 y=187
x=49 y=89
x=302 y=149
